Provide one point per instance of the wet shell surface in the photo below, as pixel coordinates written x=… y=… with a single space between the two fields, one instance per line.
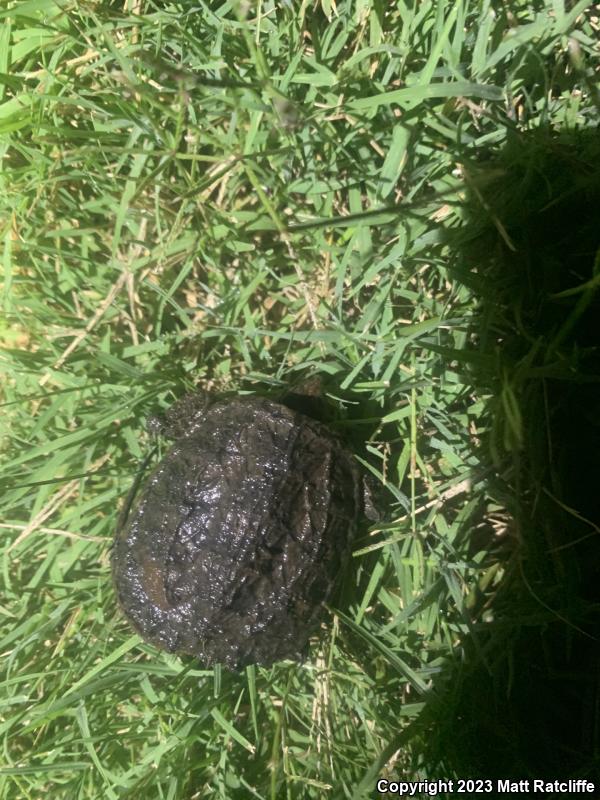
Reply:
x=239 y=534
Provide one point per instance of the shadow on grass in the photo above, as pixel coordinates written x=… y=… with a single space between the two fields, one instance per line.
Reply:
x=530 y=248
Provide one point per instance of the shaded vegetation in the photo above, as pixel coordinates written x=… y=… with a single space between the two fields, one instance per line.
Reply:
x=531 y=709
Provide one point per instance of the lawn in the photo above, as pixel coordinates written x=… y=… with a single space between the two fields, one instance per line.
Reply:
x=400 y=199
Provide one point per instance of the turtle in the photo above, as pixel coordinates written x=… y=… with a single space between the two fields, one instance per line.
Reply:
x=236 y=541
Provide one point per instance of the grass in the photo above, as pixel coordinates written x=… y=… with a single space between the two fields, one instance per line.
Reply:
x=400 y=198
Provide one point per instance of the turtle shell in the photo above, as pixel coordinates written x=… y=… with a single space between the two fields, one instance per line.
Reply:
x=239 y=535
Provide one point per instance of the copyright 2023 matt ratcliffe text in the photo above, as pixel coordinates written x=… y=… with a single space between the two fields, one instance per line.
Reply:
x=482 y=786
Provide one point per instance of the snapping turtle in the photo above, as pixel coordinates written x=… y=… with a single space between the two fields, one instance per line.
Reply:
x=239 y=534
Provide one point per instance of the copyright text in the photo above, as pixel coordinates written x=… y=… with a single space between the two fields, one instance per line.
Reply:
x=482 y=786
